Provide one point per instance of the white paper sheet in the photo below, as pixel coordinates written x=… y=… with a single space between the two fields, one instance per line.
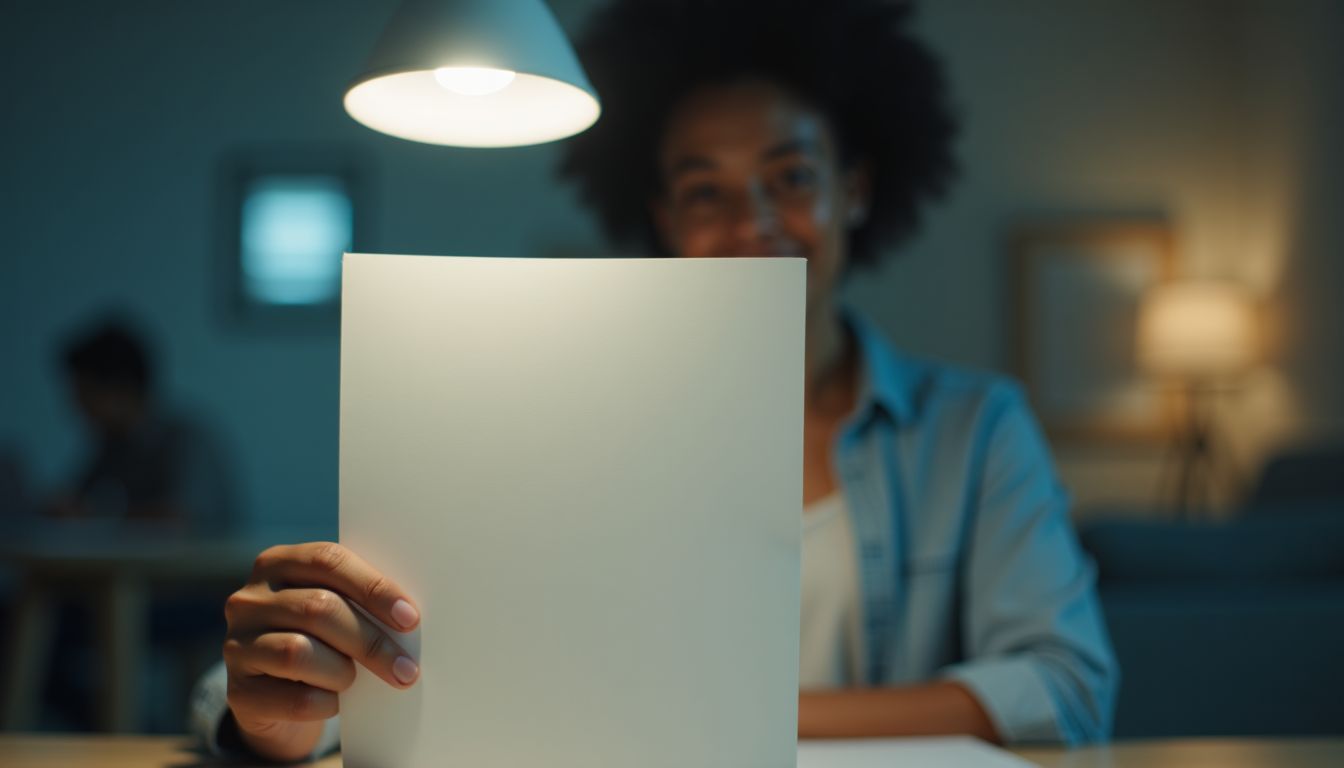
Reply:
x=588 y=473
x=939 y=752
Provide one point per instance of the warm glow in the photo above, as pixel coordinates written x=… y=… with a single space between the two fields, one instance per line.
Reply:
x=473 y=81
x=1197 y=330
x=414 y=105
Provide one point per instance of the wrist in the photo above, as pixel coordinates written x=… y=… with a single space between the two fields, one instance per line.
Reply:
x=282 y=741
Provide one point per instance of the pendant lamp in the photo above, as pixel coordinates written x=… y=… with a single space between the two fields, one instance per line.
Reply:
x=474 y=73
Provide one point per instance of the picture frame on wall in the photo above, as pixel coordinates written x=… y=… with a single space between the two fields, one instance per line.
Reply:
x=286 y=214
x=1078 y=285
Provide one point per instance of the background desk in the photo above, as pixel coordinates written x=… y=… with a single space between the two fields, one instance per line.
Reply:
x=120 y=570
x=17 y=751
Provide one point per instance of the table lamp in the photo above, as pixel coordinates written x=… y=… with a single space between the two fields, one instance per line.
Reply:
x=1199 y=336
x=473 y=73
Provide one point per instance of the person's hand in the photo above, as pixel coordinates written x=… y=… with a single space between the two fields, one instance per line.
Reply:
x=294 y=639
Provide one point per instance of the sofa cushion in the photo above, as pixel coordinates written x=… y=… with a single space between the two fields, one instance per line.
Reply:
x=1262 y=549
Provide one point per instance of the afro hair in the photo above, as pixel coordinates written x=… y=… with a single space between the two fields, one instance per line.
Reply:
x=854 y=60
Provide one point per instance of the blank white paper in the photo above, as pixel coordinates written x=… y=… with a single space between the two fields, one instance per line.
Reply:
x=589 y=475
x=942 y=752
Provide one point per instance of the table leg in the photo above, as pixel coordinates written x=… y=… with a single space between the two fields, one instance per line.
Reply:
x=28 y=657
x=123 y=614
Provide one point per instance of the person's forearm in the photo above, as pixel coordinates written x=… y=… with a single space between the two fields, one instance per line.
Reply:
x=64 y=506
x=942 y=708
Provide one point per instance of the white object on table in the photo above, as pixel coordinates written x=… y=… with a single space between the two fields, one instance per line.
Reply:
x=943 y=752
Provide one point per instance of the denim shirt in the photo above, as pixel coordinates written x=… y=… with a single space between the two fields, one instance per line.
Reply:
x=968 y=564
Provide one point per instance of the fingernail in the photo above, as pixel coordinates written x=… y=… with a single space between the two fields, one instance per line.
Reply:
x=404 y=614
x=405 y=670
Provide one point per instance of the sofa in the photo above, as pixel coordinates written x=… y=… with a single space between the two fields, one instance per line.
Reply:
x=1233 y=627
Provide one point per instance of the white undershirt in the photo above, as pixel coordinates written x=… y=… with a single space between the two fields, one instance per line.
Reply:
x=830 y=605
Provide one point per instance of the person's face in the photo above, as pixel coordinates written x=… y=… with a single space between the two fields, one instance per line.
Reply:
x=109 y=411
x=749 y=170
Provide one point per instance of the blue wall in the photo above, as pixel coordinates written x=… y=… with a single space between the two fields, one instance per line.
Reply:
x=116 y=117
x=1218 y=113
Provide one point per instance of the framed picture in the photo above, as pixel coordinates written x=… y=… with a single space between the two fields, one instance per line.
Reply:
x=286 y=216
x=1077 y=292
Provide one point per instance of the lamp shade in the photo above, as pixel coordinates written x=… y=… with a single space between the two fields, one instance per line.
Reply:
x=473 y=73
x=1196 y=330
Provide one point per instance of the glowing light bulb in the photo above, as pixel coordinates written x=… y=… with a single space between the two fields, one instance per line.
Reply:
x=473 y=81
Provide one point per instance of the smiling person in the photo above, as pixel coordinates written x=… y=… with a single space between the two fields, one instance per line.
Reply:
x=943 y=589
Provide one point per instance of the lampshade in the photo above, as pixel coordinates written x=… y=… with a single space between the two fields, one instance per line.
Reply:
x=1196 y=330
x=473 y=73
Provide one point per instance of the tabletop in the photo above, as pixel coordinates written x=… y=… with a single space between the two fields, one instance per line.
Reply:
x=73 y=550
x=50 y=751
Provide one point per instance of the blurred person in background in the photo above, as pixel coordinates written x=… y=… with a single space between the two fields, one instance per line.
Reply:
x=144 y=462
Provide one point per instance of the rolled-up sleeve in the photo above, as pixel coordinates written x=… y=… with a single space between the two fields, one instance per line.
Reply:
x=209 y=718
x=209 y=706
x=1039 y=659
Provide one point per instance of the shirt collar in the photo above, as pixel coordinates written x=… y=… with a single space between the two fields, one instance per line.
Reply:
x=888 y=380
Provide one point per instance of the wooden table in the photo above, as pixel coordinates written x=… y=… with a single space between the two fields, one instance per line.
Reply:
x=120 y=569
x=21 y=751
